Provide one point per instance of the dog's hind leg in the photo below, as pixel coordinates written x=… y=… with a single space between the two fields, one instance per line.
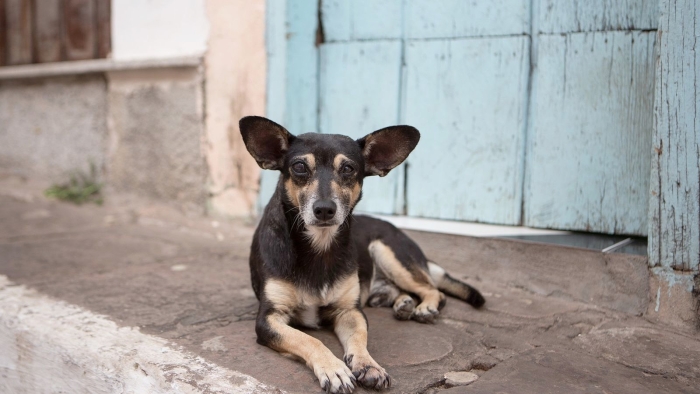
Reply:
x=386 y=294
x=382 y=293
x=416 y=281
x=455 y=287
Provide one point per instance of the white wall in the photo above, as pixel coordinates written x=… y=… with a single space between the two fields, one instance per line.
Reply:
x=151 y=29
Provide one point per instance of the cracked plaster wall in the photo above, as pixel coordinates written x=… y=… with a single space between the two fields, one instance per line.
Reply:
x=235 y=87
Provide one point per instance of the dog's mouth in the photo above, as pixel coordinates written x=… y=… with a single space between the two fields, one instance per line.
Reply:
x=319 y=224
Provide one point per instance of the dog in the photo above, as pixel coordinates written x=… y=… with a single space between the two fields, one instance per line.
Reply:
x=313 y=263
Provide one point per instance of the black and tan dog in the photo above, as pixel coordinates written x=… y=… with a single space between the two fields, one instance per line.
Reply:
x=313 y=263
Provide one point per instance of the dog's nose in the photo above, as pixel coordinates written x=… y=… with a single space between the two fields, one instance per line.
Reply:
x=324 y=210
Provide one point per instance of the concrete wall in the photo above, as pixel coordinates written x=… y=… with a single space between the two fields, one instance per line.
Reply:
x=156 y=124
x=53 y=127
x=235 y=87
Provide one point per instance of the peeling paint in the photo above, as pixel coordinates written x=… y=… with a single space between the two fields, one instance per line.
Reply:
x=674 y=278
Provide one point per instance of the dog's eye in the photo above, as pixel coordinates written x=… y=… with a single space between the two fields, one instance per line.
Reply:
x=299 y=168
x=347 y=169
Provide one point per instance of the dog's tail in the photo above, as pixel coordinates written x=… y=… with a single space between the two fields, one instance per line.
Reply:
x=455 y=287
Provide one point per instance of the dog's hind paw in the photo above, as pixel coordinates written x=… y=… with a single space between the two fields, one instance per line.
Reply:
x=403 y=307
x=425 y=314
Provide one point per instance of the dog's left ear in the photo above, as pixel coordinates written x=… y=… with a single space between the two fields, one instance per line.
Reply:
x=387 y=148
x=265 y=140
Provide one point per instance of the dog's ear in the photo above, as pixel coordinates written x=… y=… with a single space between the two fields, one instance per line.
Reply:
x=265 y=140
x=387 y=148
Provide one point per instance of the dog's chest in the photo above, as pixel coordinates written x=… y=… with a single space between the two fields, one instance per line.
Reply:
x=307 y=311
x=308 y=308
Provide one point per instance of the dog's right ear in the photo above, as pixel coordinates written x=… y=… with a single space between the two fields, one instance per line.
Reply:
x=265 y=140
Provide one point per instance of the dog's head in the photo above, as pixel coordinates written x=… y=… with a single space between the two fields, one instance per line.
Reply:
x=322 y=174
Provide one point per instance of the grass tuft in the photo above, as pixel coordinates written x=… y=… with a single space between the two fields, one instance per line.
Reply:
x=81 y=188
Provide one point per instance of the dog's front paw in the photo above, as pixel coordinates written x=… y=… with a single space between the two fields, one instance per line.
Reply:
x=425 y=313
x=368 y=373
x=334 y=376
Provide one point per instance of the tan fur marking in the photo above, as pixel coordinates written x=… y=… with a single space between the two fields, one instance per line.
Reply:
x=386 y=260
x=345 y=293
x=292 y=191
x=338 y=161
x=295 y=192
x=310 y=161
x=355 y=195
x=282 y=295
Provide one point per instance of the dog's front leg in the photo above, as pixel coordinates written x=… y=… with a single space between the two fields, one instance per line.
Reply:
x=274 y=331
x=351 y=328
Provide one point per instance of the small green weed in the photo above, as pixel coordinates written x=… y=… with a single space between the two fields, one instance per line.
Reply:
x=81 y=188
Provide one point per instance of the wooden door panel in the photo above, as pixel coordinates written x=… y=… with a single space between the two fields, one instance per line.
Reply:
x=359 y=93
x=590 y=141
x=468 y=98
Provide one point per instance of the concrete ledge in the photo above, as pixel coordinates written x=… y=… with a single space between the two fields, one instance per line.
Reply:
x=52 y=346
x=91 y=67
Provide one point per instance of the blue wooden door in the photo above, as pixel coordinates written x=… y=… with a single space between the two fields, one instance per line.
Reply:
x=531 y=112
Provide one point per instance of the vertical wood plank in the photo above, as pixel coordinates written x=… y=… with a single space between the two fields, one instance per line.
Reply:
x=79 y=29
x=47 y=31
x=590 y=136
x=572 y=16
x=359 y=93
x=674 y=229
x=301 y=115
x=104 y=28
x=300 y=51
x=18 y=17
x=3 y=34
x=468 y=99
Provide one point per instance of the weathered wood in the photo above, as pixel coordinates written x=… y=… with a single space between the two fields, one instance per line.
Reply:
x=299 y=52
x=79 y=29
x=461 y=18
x=361 y=19
x=359 y=93
x=570 y=16
x=590 y=136
x=3 y=34
x=275 y=107
x=47 y=31
x=468 y=99
x=104 y=28
x=18 y=18
x=674 y=228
